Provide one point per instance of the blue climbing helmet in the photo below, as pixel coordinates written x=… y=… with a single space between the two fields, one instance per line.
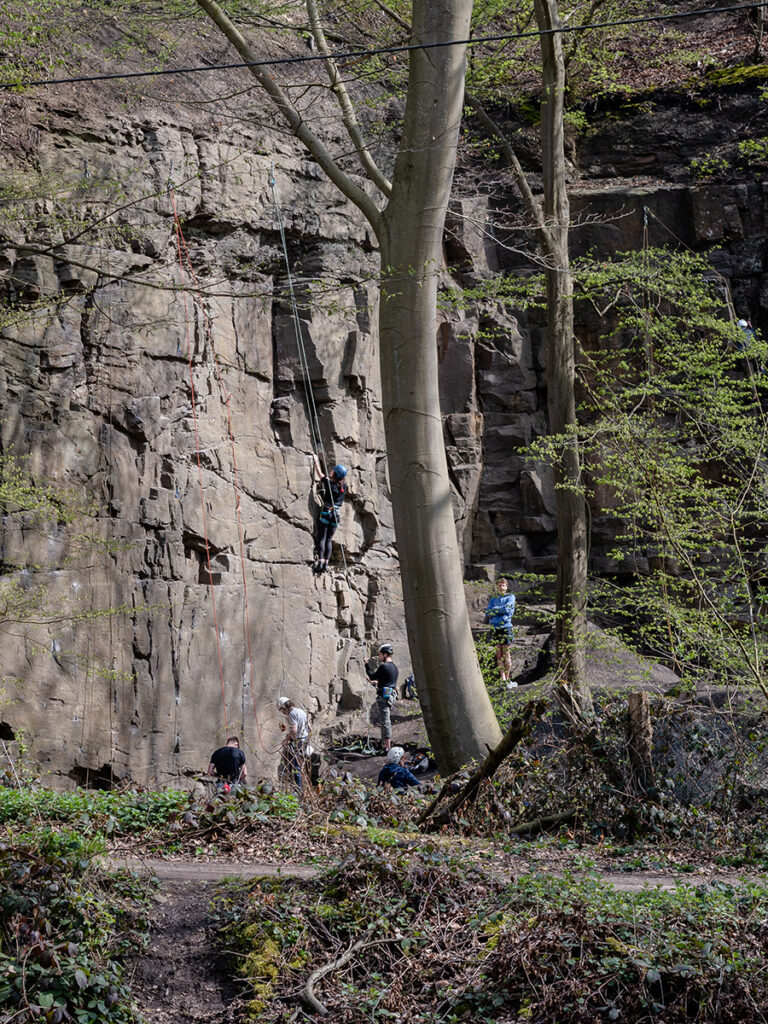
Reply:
x=339 y=471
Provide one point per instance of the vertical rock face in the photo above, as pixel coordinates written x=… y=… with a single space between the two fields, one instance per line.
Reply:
x=183 y=400
x=180 y=401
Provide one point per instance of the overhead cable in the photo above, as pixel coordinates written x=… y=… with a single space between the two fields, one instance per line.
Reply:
x=378 y=51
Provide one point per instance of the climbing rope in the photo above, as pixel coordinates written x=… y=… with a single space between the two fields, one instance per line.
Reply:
x=197 y=453
x=314 y=420
x=313 y=417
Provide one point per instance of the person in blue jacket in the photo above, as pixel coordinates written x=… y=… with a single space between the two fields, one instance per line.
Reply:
x=395 y=774
x=498 y=615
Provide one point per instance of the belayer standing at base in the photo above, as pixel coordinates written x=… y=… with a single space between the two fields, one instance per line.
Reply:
x=332 y=491
x=228 y=765
x=384 y=678
x=293 y=753
x=498 y=615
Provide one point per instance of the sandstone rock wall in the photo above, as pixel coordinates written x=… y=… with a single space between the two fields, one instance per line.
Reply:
x=180 y=407
x=119 y=675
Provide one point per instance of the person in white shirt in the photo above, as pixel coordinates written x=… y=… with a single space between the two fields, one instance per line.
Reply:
x=293 y=754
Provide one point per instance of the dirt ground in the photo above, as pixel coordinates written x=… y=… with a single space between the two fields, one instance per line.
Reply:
x=182 y=979
x=407 y=731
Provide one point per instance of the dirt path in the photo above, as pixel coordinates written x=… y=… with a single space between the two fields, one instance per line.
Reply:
x=182 y=979
x=216 y=871
x=212 y=871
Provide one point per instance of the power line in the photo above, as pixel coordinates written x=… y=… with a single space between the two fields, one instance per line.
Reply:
x=361 y=54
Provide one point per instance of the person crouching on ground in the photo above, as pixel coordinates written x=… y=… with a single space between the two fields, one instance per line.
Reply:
x=498 y=614
x=332 y=490
x=228 y=765
x=384 y=678
x=395 y=774
x=293 y=753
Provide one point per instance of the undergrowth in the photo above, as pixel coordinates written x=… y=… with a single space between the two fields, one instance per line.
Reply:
x=65 y=930
x=440 y=941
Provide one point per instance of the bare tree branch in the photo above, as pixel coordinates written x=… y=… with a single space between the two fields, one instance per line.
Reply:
x=298 y=125
x=347 y=110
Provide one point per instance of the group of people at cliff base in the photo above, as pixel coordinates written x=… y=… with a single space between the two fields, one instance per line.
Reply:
x=228 y=762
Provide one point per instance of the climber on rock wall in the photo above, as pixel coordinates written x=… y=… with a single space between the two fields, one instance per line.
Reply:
x=332 y=491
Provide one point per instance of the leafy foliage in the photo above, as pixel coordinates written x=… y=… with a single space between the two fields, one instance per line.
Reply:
x=93 y=812
x=64 y=931
x=707 y=166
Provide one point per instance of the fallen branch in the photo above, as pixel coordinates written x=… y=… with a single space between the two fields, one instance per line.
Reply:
x=530 y=828
x=307 y=994
x=518 y=728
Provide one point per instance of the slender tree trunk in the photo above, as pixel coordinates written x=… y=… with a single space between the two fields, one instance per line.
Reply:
x=460 y=720
x=570 y=626
x=458 y=714
x=640 y=742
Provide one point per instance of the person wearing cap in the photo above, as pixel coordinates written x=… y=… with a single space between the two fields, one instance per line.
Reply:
x=332 y=490
x=228 y=765
x=294 y=749
x=395 y=774
x=384 y=678
x=498 y=614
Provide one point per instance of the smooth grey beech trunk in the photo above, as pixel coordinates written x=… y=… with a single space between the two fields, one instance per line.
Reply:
x=458 y=714
x=571 y=599
x=453 y=696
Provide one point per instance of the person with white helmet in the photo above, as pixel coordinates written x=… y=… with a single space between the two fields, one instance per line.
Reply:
x=748 y=335
x=293 y=753
x=384 y=678
x=395 y=774
x=332 y=490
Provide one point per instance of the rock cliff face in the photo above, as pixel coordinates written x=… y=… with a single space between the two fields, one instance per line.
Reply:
x=173 y=397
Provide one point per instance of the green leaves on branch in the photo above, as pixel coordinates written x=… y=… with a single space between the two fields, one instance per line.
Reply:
x=674 y=438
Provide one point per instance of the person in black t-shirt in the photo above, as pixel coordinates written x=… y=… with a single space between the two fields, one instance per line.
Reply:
x=332 y=490
x=384 y=678
x=228 y=764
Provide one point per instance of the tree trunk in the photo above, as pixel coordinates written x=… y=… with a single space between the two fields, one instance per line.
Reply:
x=457 y=710
x=571 y=600
x=640 y=743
